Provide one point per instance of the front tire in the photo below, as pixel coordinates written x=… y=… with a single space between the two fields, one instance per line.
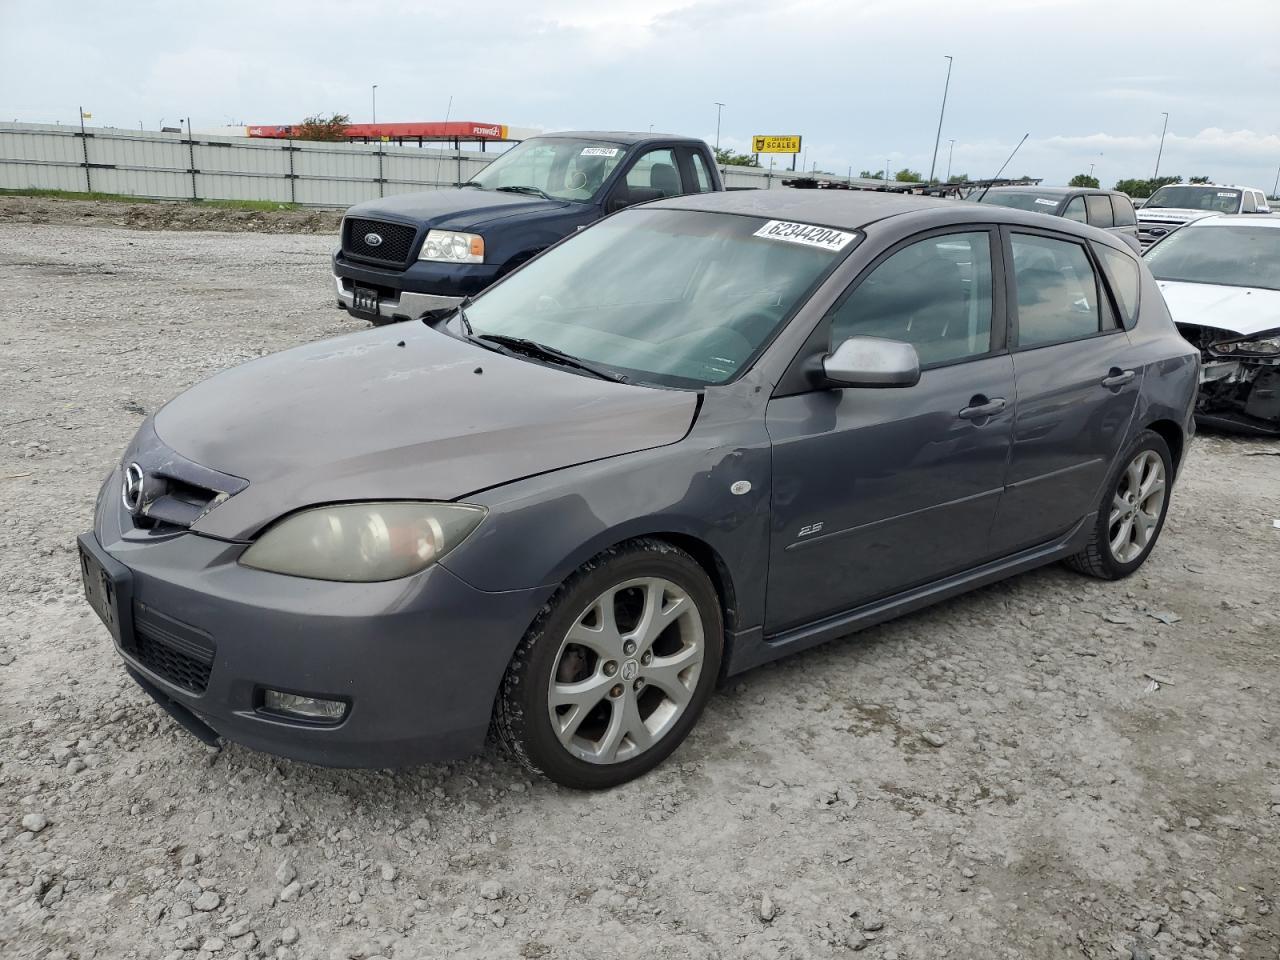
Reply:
x=613 y=674
x=1132 y=512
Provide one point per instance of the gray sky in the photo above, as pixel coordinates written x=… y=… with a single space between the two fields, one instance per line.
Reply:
x=862 y=81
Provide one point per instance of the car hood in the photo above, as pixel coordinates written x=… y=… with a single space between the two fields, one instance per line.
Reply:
x=457 y=209
x=1239 y=310
x=405 y=412
x=1172 y=214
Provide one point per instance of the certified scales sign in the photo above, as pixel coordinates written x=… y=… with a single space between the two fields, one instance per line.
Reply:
x=775 y=144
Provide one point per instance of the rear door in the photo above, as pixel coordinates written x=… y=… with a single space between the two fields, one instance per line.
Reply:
x=1126 y=218
x=878 y=490
x=1077 y=379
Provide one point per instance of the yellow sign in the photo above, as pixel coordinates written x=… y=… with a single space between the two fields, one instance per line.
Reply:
x=767 y=144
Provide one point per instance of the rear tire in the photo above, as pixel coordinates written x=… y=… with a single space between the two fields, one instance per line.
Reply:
x=613 y=674
x=1131 y=513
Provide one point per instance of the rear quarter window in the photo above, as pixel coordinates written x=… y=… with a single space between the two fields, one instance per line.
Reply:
x=1123 y=209
x=1099 y=210
x=1125 y=280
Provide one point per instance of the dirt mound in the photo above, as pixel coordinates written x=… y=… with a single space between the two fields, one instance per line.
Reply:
x=166 y=215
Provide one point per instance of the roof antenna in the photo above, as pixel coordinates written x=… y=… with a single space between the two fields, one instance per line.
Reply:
x=1001 y=170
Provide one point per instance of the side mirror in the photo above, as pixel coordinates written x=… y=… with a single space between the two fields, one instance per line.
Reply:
x=872 y=362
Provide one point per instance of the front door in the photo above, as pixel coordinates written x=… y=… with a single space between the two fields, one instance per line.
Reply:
x=1077 y=380
x=876 y=490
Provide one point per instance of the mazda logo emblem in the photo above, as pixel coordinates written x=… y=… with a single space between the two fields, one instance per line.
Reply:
x=131 y=489
x=373 y=239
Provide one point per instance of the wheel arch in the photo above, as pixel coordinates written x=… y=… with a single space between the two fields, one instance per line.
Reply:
x=1172 y=435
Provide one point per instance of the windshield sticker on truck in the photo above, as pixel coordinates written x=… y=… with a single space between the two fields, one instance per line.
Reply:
x=1229 y=193
x=822 y=237
x=600 y=151
x=1047 y=203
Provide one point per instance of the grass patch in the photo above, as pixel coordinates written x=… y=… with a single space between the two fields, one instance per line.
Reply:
x=125 y=198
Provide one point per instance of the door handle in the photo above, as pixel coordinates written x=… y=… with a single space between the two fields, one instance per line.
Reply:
x=1118 y=378
x=980 y=408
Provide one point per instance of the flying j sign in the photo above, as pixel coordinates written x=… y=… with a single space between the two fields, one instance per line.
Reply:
x=768 y=144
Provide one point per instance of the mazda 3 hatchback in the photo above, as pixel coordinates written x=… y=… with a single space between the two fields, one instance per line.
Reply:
x=697 y=436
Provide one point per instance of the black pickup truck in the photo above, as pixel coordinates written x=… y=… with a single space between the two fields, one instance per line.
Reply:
x=411 y=255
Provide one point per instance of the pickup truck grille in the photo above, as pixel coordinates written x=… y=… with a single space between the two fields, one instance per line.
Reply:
x=1149 y=231
x=396 y=241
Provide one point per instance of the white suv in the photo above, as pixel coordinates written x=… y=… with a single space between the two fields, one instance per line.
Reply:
x=1177 y=203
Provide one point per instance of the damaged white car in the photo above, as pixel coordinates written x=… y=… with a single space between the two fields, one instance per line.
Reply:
x=1220 y=277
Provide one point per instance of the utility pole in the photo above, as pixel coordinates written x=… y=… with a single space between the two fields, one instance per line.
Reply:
x=1160 y=152
x=941 y=113
x=375 y=103
x=950 y=150
x=1275 y=191
x=719 y=107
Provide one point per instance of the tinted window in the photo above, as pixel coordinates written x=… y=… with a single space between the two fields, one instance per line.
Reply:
x=1250 y=204
x=700 y=172
x=1123 y=210
x=661 y=296
x=655 y=170
x=1195 y=198
x=1099 y=210
x=934 y=294
x=1075 y=210
x=1057 y=291
x=1125 y=279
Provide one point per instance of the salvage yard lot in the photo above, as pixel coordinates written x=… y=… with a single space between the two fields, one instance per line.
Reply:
x=994 y=777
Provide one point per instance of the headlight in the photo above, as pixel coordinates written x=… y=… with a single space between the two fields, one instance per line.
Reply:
x=363 y=542
x=1268 y=345
x=449 y=247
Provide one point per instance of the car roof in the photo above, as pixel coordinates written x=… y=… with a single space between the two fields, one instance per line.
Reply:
x=1236 y=220
x=617 y=136
x=1053 y=191
x=855 y=209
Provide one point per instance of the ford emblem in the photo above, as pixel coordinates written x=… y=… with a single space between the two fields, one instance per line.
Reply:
x=373 y=239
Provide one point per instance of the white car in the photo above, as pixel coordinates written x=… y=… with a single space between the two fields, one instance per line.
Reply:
x=1220 y=277
x=1178 y=203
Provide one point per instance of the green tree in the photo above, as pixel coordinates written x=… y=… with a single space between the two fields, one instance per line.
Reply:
x=872 y=174
x=1145 y=188
x=320 y=127
x=726 y=157
x=906 y=175
x=958 y=178
x=1199 y=180
x=1083 y=180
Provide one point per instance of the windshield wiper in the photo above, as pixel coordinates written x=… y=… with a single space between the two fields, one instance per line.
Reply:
x=531 y=190
x=540 y=351
x=473 y=183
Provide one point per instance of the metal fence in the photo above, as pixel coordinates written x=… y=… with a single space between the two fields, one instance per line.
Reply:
x=172 y=166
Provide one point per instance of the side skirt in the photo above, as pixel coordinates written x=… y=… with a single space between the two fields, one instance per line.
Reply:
x=750 y=648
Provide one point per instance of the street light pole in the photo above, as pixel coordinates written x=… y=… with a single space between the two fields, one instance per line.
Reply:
x=1275 y=191
x=941 y=113
x=1160 y=152
x=375 y=103
x=719 y=107
x=950 y=150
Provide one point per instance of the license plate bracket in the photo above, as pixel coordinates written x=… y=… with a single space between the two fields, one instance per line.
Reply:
x=364 y=300
x=107 y=588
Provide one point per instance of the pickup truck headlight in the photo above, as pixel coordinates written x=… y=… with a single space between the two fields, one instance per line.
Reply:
x=445 y=246
x=363 y=542
x=1267 y=345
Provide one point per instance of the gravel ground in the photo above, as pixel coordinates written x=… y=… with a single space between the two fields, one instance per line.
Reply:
x=993 y=778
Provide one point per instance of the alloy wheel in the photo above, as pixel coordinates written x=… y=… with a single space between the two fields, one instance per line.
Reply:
x=626 y=670
x=1136 y=506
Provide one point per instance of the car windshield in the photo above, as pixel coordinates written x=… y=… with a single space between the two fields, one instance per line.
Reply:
x=1037 y=202
x=559 y=169
x=1195 y=198
x=1236 y=256
x=668 y=297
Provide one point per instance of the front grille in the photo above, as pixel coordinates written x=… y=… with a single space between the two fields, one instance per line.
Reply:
x=171 y=649
x=396 y=245
x=1152 y=230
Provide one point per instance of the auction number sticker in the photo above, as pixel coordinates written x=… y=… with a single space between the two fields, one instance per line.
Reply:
x=600 y=151
x=1047 y=203
x=805 y=233
x=1228 y=193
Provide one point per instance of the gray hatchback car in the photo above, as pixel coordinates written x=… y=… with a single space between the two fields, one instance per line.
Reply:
x=695 y=437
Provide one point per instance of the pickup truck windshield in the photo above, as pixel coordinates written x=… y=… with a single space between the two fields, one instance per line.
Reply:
x=559 y=169
x=669 y=297
x=1195 y=198
x=1235 y=256
x=1037 y=203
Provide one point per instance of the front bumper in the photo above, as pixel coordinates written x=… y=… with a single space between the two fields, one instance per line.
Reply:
x=408 y=294
x=417 y=660
x=1240 y=395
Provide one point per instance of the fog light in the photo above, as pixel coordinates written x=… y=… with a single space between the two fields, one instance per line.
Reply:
x=309 y=708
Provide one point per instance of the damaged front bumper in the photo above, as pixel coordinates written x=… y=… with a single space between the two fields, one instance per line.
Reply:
x=1240 y=394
